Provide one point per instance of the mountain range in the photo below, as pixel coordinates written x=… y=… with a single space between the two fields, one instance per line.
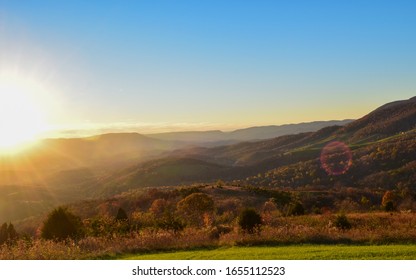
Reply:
x=380 y=142
x=377 y=151
x=217 y=137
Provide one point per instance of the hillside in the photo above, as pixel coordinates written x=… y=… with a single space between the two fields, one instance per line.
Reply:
x=51 y=156
x=378 y=153
x=389 y=119
x=381 y=145
x=160 y=172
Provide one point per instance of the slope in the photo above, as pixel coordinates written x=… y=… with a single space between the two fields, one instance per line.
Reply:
x=380 y=143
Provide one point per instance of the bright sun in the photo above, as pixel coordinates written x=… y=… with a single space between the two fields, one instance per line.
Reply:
x=21 y=118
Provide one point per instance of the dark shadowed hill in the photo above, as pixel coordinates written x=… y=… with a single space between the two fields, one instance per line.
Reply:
x=161 y=172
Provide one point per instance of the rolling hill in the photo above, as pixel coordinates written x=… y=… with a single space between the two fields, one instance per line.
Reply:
x=389 y=119
x=381 y=145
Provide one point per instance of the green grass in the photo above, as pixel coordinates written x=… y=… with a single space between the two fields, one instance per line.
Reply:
x=294 y=252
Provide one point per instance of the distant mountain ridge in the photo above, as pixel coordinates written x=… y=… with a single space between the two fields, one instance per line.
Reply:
x=391 y=128
x=247 y=134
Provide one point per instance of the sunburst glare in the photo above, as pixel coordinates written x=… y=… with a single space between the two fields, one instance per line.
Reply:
x=22 y=118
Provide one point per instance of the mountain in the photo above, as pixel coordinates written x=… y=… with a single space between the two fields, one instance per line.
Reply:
x=378 y=153
x=217 y=137
x=57 y=171
x=54 y=155
x=192 y=136
x=381 y=142
x=272 y=131
x=389 y=119
x=160 y=172
x=111 y=147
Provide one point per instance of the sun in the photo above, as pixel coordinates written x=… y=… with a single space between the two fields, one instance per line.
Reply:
x=21 y=117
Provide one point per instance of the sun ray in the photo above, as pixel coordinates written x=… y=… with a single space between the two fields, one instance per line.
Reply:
x=22 y=119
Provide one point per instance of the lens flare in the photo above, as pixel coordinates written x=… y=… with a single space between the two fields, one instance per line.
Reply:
x=336 y=158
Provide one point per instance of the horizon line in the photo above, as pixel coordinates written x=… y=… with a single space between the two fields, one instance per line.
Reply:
x=90 y=129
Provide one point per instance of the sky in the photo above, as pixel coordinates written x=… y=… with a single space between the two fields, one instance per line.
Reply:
x=153 y=66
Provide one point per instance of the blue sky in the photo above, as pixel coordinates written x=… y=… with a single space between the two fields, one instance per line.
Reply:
x=158 y=65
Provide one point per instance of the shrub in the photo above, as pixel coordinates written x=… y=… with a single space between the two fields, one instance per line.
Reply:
x=194 y=206
x=342 y=222
x=249 y=220
x=61 y=224
x=170 y=223
x=388 y=201
x=389 y=206
x=121 y=215
x=160 y=207
x=296 y=209
x=219 y=230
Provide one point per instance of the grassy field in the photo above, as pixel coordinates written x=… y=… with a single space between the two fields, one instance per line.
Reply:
x=301 y=252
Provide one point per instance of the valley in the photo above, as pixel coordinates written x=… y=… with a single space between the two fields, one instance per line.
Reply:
x=341 y=184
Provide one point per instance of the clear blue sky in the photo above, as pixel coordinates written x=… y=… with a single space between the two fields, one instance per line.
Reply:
x=210 y=64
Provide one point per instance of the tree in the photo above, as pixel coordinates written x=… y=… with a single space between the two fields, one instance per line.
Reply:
x=11 y=232
x=171 y=223
x=61 y=224
x=296 y=209
x=122 y=223
x=121 y=215
x=7 y=233
x=160 y=207
x=3 y=233
x=342 y=222
x=194 y=206
x=388 y=201
x=249 y=220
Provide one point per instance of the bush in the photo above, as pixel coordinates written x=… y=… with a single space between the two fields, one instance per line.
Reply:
x=296 y=209
x=121 y=215
x=342 y=222
x=219 y=230
x=389 y=201
x=389 y=206
x=249 y=220
x=194 y=206
x=170 y=223
x=61 y=224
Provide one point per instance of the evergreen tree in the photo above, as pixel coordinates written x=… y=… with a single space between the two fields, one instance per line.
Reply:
x=121 y=215
x=11 y=232
x=3 y=233
x=7 y=233
x=61 y=224
x=249 y=220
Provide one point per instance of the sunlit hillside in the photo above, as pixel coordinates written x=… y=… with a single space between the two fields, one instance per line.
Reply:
x=59 y=171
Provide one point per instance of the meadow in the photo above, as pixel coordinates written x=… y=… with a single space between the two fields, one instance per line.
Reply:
x=291 y=252
x=376 y=235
